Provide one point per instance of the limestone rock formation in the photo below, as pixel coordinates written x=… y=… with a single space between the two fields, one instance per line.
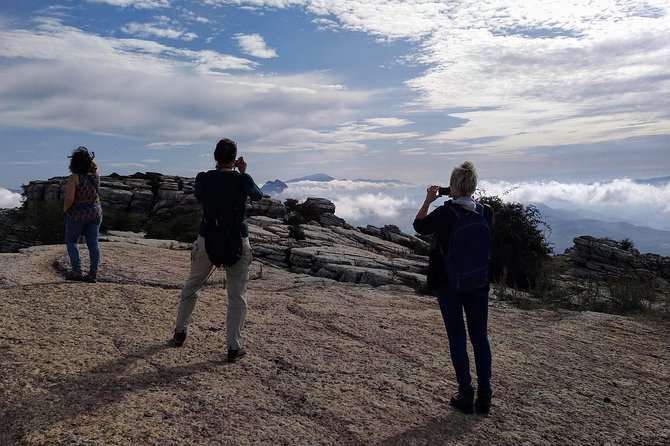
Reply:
x=329 y=363
x=329 y=247
x=610 y=259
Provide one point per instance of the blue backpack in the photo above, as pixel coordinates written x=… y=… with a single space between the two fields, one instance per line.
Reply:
x=467 y=259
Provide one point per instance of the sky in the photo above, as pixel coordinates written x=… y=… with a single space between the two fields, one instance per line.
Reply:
x=537 y=93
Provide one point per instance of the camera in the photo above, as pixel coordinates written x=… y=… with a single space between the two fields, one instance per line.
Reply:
x=445 y=190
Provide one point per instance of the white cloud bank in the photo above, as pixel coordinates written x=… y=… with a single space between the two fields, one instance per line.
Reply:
x=9 y=199
x=526 y=73
x=390 y=202
x=160 y=92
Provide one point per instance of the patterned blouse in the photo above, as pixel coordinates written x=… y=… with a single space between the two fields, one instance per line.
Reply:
x=86 y=204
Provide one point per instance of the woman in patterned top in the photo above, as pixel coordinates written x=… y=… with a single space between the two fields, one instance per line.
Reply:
x=83 y=213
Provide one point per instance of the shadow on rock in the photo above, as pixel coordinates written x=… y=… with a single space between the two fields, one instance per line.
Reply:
x=446 y=430
x=93 y=389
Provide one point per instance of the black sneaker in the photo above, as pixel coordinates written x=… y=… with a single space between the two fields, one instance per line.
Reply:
x=464 y=401
x=178 y=339
x=483 y=403
x=91 y=277
x=235 y=355
x=75 y=274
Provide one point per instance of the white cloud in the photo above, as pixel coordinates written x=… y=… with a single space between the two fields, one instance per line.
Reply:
x=162 y=28
x=644 y=204
x=526 y=73
x=160 y=92
x=9 y=199
x=139 y=4
x=362 y=202
x=360 y=207
x=254 y=45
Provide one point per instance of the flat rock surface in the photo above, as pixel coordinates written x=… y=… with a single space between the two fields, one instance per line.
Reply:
x=329 y=364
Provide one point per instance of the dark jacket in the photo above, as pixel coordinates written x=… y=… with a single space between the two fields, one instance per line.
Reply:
x=440 y=223
x=217 y=189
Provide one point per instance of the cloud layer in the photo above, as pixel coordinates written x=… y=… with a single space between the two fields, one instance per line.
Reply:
x=362 y=202
x=9 y=199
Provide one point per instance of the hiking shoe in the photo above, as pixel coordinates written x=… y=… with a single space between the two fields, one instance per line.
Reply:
x=464 y=401
x=235 y=355
x=483 y=403
x=178 y=339
x=91 y=277
x=75 y=274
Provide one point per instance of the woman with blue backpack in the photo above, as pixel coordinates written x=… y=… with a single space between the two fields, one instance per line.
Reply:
x=458 y=274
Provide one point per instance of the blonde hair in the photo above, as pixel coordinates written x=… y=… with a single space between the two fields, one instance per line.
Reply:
x=464 y=179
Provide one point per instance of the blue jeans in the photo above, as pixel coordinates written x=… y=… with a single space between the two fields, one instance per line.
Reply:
x=89 y=229
x=476 y=309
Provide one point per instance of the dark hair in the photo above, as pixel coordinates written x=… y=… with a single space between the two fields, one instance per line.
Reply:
x=226 y=151
x=81 y=160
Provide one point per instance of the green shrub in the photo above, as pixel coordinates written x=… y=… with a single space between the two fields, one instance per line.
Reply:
x=123 y=222
x=627 y=244
x=48 y=219
x=183 y=228
x=290 y=204
x=295 y=232
x=519 y=246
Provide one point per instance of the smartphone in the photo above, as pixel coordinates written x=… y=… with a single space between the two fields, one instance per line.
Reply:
x=445 y=190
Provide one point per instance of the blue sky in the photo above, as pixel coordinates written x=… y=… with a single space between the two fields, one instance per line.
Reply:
x=529 y=90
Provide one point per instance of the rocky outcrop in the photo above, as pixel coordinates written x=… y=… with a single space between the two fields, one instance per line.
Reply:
x=610 y=259
x=328 y=246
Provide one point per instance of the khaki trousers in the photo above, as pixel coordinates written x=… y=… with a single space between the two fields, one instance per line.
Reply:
x=237 y=277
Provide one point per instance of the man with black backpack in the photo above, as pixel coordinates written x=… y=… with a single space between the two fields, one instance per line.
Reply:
x=223 y=241
x=458 y=273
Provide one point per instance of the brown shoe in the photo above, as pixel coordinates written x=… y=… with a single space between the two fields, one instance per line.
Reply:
x=75 y=274
x=178 y=339
x=235 y=355
x=463 y=401
x=483 y=403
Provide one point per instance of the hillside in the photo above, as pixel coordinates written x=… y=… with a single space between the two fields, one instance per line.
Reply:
x=330 y=363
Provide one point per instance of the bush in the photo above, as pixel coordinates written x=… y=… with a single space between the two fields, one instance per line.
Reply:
x=290 y=204
x=183 y=228
x=296 y=232
x=519 y=246
x=48 y=220
x=627 y=244
x=124 y=222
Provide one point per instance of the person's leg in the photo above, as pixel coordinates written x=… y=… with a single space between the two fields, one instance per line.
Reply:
x=476 y=311
x=91 y=231
x=72 y=233
x=452 y=314
x=200 y=269
x=237 y=277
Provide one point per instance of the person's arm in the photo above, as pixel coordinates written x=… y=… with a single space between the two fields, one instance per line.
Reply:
x=423 y=222
x=255 y=193
x=72 y=182
x=199 y=186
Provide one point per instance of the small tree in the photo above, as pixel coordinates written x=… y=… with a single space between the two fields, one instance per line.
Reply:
x=519 y=246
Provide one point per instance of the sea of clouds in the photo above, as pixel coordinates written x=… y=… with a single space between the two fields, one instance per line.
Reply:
x=9 y=199
x=362 y=202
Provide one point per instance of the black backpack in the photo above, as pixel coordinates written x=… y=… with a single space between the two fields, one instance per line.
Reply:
x=223 y=240
x=467 y=258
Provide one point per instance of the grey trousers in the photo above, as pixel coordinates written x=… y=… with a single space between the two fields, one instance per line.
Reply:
x=237 y=277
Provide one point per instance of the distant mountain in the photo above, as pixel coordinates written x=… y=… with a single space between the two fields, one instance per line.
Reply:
x=659 y=181
x=566 y=225
x=314 y=177
x=273 y=187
